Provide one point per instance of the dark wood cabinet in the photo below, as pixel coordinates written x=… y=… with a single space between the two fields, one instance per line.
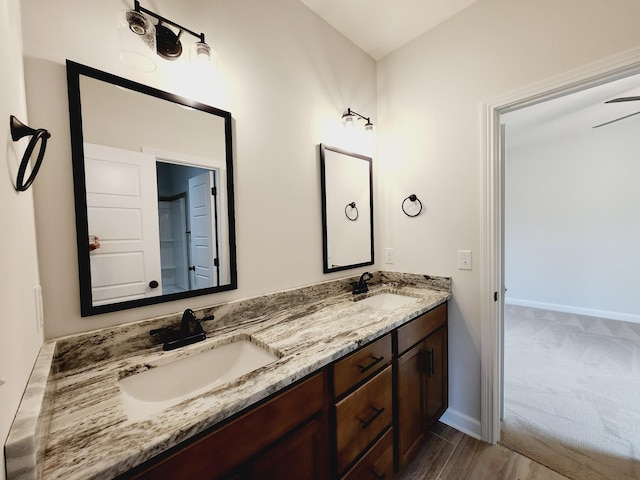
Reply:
x=363 y=411
x=362 y=416
x=301 y=456
x=421 y=380
x=377 y=464
x=286 y=433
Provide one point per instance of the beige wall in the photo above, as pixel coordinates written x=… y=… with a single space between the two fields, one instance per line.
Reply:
x=286 y=77
x=429 y=138
x=20 y=337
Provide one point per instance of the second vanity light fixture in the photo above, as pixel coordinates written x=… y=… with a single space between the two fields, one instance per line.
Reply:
x=167 y=42
x=350 y=116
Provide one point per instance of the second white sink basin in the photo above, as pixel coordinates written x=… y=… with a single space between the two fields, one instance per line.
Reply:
x=387 y=300
x=165 y=385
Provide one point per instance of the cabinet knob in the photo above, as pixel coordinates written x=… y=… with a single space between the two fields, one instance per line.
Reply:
x=153 y=284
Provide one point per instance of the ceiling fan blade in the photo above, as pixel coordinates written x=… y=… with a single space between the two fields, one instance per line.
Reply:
x=616 y=120
x=623 y=99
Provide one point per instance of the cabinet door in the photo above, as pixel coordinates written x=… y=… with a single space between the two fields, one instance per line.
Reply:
x=410 y=399
x=301 y=456
x=436 y=376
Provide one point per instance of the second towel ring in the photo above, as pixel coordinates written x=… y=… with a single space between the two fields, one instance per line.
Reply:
x=19 y=130
x=353 y=207
x=412 y=198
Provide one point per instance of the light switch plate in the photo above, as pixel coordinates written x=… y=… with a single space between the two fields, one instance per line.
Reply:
x=389 y=256
x=464 y=259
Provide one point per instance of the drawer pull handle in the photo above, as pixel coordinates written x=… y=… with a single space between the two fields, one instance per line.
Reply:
x=366 y=423
x=378 y=476
x=376 y=360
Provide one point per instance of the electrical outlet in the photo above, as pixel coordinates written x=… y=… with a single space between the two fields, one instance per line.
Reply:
x=389 y=255
x=464 y=259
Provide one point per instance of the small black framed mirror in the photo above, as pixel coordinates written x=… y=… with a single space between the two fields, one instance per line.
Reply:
x=154 y=196
x=347 y=209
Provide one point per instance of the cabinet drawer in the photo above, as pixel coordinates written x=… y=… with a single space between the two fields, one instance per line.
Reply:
x=362 y=416
x=417 y=329
x=360 y=365
x=377 y=463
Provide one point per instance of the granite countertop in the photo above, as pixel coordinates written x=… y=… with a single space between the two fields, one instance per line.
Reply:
x=72 y=422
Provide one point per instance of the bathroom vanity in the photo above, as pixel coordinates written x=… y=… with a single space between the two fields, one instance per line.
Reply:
x=348 y=405
x=356 y=383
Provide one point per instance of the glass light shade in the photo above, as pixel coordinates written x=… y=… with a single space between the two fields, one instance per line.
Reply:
x=347 y=120
x=202 y=54
x=137 y=38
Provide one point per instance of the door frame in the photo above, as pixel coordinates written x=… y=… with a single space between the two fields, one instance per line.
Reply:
x=492 y=272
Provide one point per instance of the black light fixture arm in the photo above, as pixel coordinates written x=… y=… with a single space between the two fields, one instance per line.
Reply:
x=352 y=113
x=138 y=8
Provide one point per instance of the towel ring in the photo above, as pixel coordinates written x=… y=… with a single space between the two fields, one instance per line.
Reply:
x=412 y=198
x=353 y=207
x=19 y=130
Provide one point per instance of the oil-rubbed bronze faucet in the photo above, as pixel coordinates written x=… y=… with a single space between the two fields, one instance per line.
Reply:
x=361 y=285
x=191 y=331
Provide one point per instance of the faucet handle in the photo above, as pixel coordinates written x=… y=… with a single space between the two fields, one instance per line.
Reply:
x=162 y=330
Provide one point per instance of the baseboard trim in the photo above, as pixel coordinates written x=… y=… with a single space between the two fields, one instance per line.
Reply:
x=462 y=422
x=625 y=317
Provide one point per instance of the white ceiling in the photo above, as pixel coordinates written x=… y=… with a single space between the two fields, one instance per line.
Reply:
x=381 y=26
x=573 y=114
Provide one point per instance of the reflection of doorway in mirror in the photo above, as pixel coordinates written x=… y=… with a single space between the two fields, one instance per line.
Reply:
x=190 y=250
x=173 y=243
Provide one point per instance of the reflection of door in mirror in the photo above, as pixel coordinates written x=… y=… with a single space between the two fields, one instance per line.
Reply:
x=204 y=234
x=130 y=206
x=121 y=212
x=188 y=230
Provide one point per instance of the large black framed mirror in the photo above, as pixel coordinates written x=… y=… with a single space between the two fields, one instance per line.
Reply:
x=347 y=209
x=153 y=185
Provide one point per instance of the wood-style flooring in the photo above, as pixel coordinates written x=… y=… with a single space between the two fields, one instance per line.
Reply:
x=451 y=455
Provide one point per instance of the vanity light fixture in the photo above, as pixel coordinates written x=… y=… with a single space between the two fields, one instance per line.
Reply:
x=167 y=41
x=349 y=116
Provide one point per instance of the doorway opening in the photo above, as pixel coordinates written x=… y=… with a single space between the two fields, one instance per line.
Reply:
x=571 y=315
x=493 y=287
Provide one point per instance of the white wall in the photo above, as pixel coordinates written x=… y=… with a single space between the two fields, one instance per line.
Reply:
x=429 y=95
x=284 y=74
x=572 y=206
x=20 y=339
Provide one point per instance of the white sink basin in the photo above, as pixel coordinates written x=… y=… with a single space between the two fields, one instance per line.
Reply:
x=153 y=390
x=387 y=300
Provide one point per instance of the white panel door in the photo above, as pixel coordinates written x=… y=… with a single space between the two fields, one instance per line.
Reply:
x=203 y=245
x=122 y=211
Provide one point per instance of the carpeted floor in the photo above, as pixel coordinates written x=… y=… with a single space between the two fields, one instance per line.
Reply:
x=572 y=393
